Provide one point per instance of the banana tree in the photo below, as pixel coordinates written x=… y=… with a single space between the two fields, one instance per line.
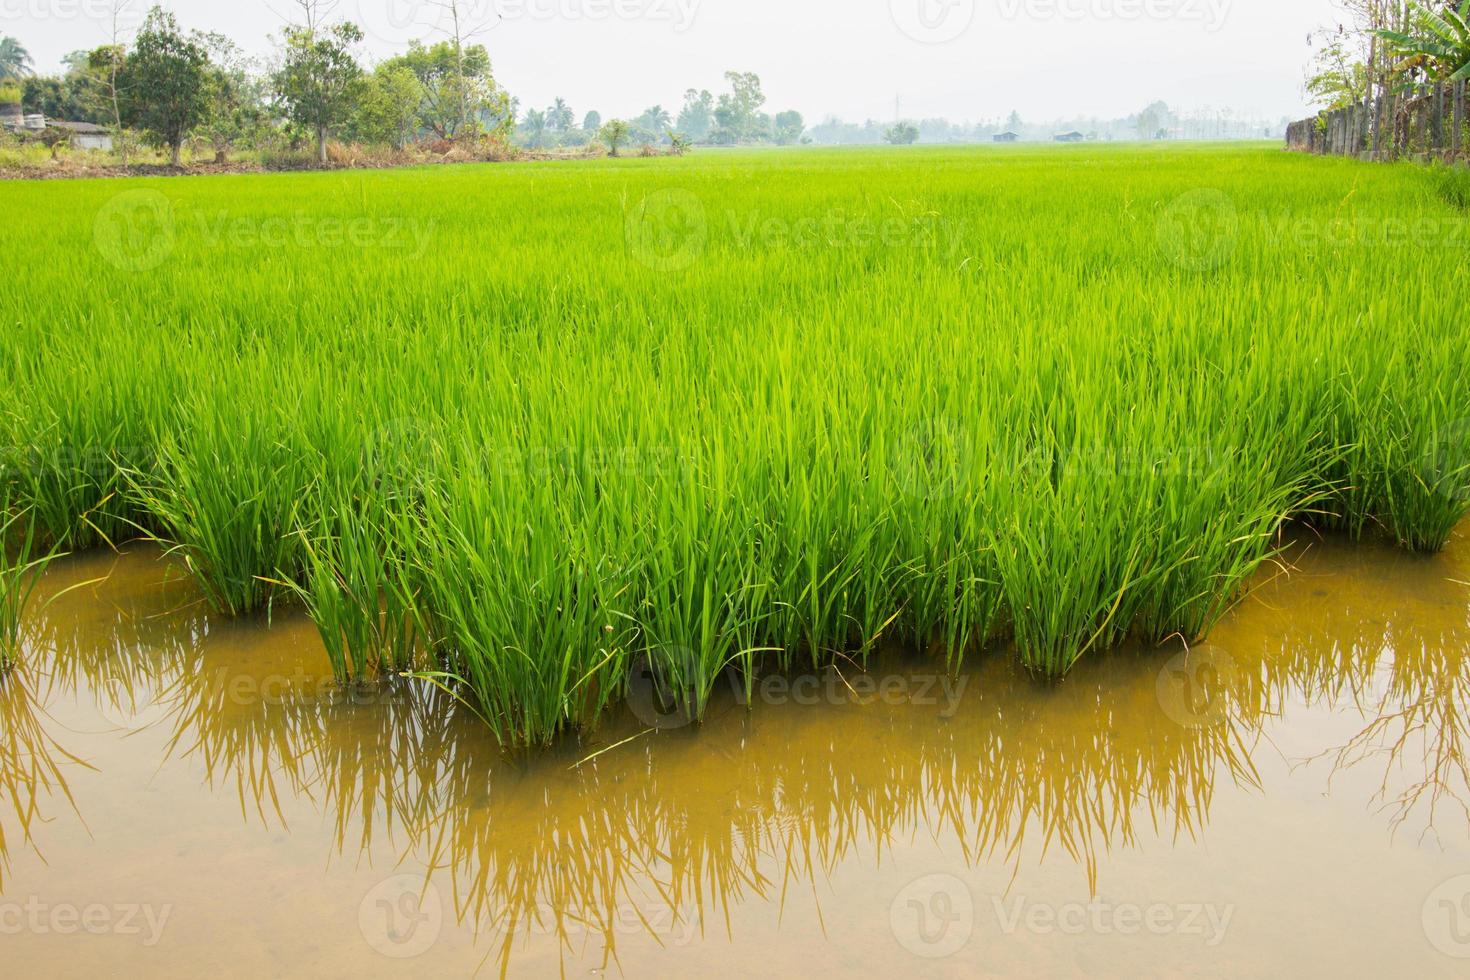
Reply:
x=1435 y=47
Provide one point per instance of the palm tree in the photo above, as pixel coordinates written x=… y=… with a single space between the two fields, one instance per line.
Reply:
x=535 y=126
x=559 y=117
x=15 y=61
x=656 y=119
x=1436 y=45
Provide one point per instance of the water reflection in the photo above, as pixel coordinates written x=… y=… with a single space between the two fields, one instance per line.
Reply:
x=669 y=834
x=33 y=768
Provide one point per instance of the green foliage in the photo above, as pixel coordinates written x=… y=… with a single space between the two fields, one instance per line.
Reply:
x=902 y=134
x=319 y=81
x=614 y=134
x=697 y=117
x=388 y=112
x=236 y=98
x=167 y=78
x=788 y=127
x=459 y=93
x=1041 y=401
x=55 y=98
x=737 y=113
x=1436 y=46
x=15 y=60
x=1452 y=183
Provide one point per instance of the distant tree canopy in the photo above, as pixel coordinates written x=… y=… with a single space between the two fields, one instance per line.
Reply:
x=788 y=127
x=697 y=117
x=902 y=134
x=737 y=113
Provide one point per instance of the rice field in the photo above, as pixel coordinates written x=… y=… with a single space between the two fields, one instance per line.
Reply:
x=538 y=431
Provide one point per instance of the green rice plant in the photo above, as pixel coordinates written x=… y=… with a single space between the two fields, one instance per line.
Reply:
x=1452 y=184
x=226 y=495
x=487 y=426
x=21 y=562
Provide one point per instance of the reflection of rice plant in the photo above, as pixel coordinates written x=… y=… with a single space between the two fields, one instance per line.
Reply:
x=20 y=567
x=32 y=766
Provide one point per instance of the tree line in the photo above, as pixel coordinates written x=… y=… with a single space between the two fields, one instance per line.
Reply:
x=169 y=86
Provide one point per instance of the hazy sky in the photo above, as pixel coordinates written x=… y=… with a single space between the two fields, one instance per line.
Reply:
x=964 y=59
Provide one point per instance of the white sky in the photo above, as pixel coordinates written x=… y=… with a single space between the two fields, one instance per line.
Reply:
x=964 y=59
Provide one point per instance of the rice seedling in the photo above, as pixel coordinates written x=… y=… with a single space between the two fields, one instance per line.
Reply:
x=485 y=424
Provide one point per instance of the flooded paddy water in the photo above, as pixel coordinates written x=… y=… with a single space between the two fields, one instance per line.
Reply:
x=182 y=795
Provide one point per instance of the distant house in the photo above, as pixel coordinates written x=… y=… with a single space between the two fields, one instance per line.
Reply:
x=83 y=135
x=1006 y=138
x=86 y=136
x=1070 y=138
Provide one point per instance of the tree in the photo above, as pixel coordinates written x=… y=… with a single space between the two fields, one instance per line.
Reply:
x=614 y=134
x=15 y=61
x=655 y=119
x=166 y=77
x=319 y=81
x=592 y=122
x=534 y=127
x=1154 y=121
x=902 y=134
x=737 y=113
x=788 y=127
x=236 y=98
x=559 y=117
x=389 y=109
x=698 y=115
x=104 y=67
x=1339 y=75
x=459 y=89
x=56 y=98
x=1435 y=45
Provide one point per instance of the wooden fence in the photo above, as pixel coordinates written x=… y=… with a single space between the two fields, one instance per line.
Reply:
x=1432 y=124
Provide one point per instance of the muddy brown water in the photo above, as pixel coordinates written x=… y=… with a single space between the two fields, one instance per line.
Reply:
x=182 y=795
